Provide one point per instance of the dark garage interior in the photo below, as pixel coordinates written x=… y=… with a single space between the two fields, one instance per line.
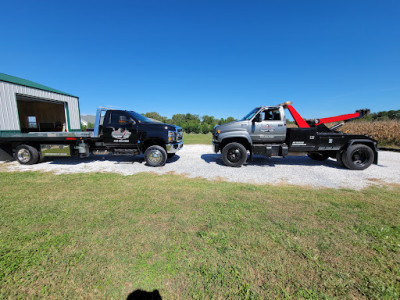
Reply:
x=39 y=115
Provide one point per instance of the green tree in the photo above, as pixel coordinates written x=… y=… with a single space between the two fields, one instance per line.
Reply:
x=210 y=120
x=227 y=120
x=156 y=116
x=178 y=119
x=205 y=128
x=230 y=119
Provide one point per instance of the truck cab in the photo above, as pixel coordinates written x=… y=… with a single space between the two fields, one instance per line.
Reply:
x=264 y=131
x=268 y=125
x=264 y=124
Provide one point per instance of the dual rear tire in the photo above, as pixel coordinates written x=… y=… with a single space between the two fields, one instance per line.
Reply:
x=27 y=155
x=356 y=157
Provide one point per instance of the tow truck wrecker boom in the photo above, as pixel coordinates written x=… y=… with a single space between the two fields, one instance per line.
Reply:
x=302 y=123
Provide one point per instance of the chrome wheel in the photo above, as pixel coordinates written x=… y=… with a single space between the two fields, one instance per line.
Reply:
x=155 y=156
x=24 y=155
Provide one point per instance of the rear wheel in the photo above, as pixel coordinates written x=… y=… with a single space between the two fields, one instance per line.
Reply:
x=320 y=156
x=155 y=156
x=358 y=157
x=26 y=155
x=234 y=155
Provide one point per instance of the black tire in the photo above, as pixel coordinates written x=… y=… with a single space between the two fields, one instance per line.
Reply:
x=155 y=156
x=170 y=155
x=26 y=155
x=319 y=156
x=358 y=157
x=234 y=155
x=339 y=158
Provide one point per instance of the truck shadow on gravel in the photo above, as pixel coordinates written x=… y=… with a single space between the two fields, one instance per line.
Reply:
x=263 y=161
x=99 y=158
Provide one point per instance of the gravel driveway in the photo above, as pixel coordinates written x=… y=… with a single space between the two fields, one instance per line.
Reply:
x=201 y=161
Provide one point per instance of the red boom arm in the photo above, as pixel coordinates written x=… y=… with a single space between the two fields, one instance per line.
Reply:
x=338 y=118
x=303 y=124
x=297 y=118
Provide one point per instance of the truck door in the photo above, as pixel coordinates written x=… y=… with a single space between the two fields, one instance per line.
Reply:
x=269 y=127
x=119 y=130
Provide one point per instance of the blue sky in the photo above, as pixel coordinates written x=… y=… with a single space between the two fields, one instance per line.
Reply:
x=218 y=58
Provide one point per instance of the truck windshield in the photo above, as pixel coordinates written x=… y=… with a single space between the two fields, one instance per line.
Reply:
x=139 y=117
x=250 y=114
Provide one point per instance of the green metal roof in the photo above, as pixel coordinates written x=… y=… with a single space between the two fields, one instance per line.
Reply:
x=28 y=83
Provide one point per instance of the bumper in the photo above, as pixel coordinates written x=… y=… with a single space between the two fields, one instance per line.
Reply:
x=175 y=147
x=216 y=146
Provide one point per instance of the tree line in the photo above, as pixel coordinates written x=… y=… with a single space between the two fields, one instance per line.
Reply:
x=191 y=123
x=386 y=115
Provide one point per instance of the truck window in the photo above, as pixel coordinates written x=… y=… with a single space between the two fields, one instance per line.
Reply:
x=118 y=118
x=272 y=114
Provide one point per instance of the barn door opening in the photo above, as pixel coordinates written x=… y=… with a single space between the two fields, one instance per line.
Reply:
x=39 y=115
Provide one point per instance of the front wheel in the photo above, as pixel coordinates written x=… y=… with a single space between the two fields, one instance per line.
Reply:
x=358 y=157
x=155 y=156
x=26 y=155
x=234 y=155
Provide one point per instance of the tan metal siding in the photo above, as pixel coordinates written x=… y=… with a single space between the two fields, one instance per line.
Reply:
x=9 y=111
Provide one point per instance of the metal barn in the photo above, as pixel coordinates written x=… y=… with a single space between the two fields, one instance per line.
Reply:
x=26 y=106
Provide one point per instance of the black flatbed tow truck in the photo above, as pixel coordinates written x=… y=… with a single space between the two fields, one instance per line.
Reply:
x=118 y=132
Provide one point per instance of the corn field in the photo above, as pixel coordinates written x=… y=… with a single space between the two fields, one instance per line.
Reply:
x=386 y=132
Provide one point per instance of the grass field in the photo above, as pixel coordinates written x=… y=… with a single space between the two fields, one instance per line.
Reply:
x=105 y=235
x=192 y=138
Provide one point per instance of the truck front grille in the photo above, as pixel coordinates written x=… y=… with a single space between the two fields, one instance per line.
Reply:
x=179 y=135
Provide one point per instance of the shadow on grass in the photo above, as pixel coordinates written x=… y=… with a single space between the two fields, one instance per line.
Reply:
x=143 y=295
x=262 y=161
x=117 y=159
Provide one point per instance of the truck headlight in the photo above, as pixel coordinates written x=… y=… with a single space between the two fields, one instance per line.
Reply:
x=171 y=136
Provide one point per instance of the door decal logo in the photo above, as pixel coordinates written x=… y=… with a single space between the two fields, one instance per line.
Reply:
x=120 y=134
x=267 y=128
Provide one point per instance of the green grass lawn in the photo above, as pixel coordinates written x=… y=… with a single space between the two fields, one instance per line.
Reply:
x=106 y=235
x=192 y=138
